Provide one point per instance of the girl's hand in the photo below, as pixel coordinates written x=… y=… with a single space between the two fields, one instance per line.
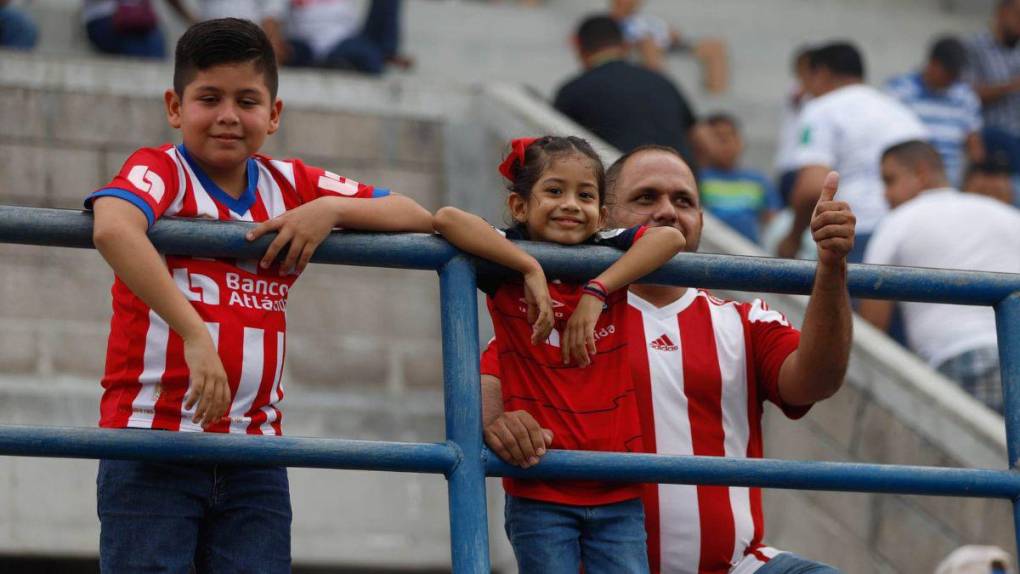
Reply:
x=540 y=314
x=304 y=228
x=578 y=342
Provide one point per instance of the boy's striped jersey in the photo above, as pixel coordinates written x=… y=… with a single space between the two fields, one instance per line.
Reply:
x=243 y=305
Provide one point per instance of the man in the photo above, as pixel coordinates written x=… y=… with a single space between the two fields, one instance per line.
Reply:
x=995 y=74
x=947 y=107
x=624 y=104
x=990 y=178
x=703 y=367
x=845 y=128
x=958 y=340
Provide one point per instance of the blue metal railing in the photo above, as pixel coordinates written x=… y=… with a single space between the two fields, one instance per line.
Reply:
x=462 y=458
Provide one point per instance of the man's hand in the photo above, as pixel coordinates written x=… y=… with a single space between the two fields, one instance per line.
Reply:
x=517 y=438
x=540 y=313
x=304 y=228
x=209 y=388
x=832 y=224
x=578 y=342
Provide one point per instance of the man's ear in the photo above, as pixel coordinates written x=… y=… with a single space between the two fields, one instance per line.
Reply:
x=173 y=108
x=603 y=217
x=274 y=115
x=518 y=207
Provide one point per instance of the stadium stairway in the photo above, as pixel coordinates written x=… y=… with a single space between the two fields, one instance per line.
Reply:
x=371 y=369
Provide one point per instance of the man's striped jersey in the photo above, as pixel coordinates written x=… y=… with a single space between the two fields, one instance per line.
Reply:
x=243 y=305
x=702 y=369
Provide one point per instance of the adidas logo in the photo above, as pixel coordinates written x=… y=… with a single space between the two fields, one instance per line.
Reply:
x=663 y=343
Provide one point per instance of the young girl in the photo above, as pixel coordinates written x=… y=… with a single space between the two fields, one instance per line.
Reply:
x=563 y=353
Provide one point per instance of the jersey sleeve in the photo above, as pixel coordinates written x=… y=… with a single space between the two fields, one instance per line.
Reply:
x=816 y=143
x=490 y=360
x=619 y=238
x=773 y=339
x=148 y=180
x=315 y=182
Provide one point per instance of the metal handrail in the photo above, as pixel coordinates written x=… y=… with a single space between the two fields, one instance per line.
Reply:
x=463 y=459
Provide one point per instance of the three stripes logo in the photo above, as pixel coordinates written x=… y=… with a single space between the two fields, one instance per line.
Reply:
x=663 y=343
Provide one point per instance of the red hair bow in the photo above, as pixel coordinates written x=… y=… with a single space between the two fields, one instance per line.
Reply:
x=515 y=159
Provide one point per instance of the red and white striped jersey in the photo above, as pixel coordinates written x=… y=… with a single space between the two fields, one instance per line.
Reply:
x=243 y=305
x=702 y=369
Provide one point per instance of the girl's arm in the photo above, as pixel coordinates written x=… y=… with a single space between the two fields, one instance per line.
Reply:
x=655 y=247
x=474 y=235
x=119 y=234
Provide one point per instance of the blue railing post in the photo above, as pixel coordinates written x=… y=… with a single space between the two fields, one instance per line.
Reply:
x=469 y=536
x=1007 y=321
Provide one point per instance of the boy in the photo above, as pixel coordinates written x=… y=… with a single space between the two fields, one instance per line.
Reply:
x=742 y=198
x=188 y=348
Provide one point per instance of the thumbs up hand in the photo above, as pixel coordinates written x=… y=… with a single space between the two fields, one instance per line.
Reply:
x=832 y=224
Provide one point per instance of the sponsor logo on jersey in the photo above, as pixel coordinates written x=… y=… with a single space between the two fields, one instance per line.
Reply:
x=663 y=343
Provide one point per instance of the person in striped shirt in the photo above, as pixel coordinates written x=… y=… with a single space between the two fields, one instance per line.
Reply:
x=197 y=344
x=704 y=368
x=946 y=105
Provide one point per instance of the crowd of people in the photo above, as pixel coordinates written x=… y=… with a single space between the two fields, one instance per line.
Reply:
x=866 y=174
x=963 y=103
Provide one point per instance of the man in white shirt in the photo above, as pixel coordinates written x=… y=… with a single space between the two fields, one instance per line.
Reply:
x=845 y=128
x=924 y=230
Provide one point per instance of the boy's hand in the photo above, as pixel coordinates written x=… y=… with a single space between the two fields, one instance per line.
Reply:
x=209 y=388
x=304 y=228
x=517 y=438
x=540 y=314
x=578 y=343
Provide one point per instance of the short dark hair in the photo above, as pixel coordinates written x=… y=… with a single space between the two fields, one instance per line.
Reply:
x=614 y=171
x=723 y=119
x=543 y=151
x=949 y=53
x=224 y=41
x=598 y=32
x=914 y=153
x=840 y=58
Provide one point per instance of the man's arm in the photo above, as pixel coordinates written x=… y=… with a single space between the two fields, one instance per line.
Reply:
x=975 y=147
x=878 y=312
x=515 y=437
x=991 y=93
x=119 y=234
x=803 y=199
x=815 y=371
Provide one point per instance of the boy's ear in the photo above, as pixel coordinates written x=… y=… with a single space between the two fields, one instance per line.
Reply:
x=274 y=115
x=518 y=207
x=173 y=108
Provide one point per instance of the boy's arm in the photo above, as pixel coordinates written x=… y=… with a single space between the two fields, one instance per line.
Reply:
x=119 y=234
x=655 y=247
x=474 y=235
x=305 y=227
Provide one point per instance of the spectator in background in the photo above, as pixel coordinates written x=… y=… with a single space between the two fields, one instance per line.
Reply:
x=325 y=34
x=652 y=38
x=947 y=107
x=128 y=27
x=270 y=14
x=786 y=150
x=742 y=198
x=624 y=104
x=845 y=127
x=994 y=72
x=17 y=30
x=934 y=225
x=990 y=178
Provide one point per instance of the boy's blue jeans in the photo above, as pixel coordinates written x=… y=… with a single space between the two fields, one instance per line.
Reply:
x=558 y=538
x=164 y=517
x=789 y=563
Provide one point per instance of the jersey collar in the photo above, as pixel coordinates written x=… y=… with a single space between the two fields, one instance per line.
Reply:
x=674 y=308
x=242 y=204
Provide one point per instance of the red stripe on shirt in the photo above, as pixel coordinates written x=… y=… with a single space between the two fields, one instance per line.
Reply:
x=168 y=406
x=231 y=351
x=754 y=443
x=126 y=350
x=256 y=412
x=701 y=362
